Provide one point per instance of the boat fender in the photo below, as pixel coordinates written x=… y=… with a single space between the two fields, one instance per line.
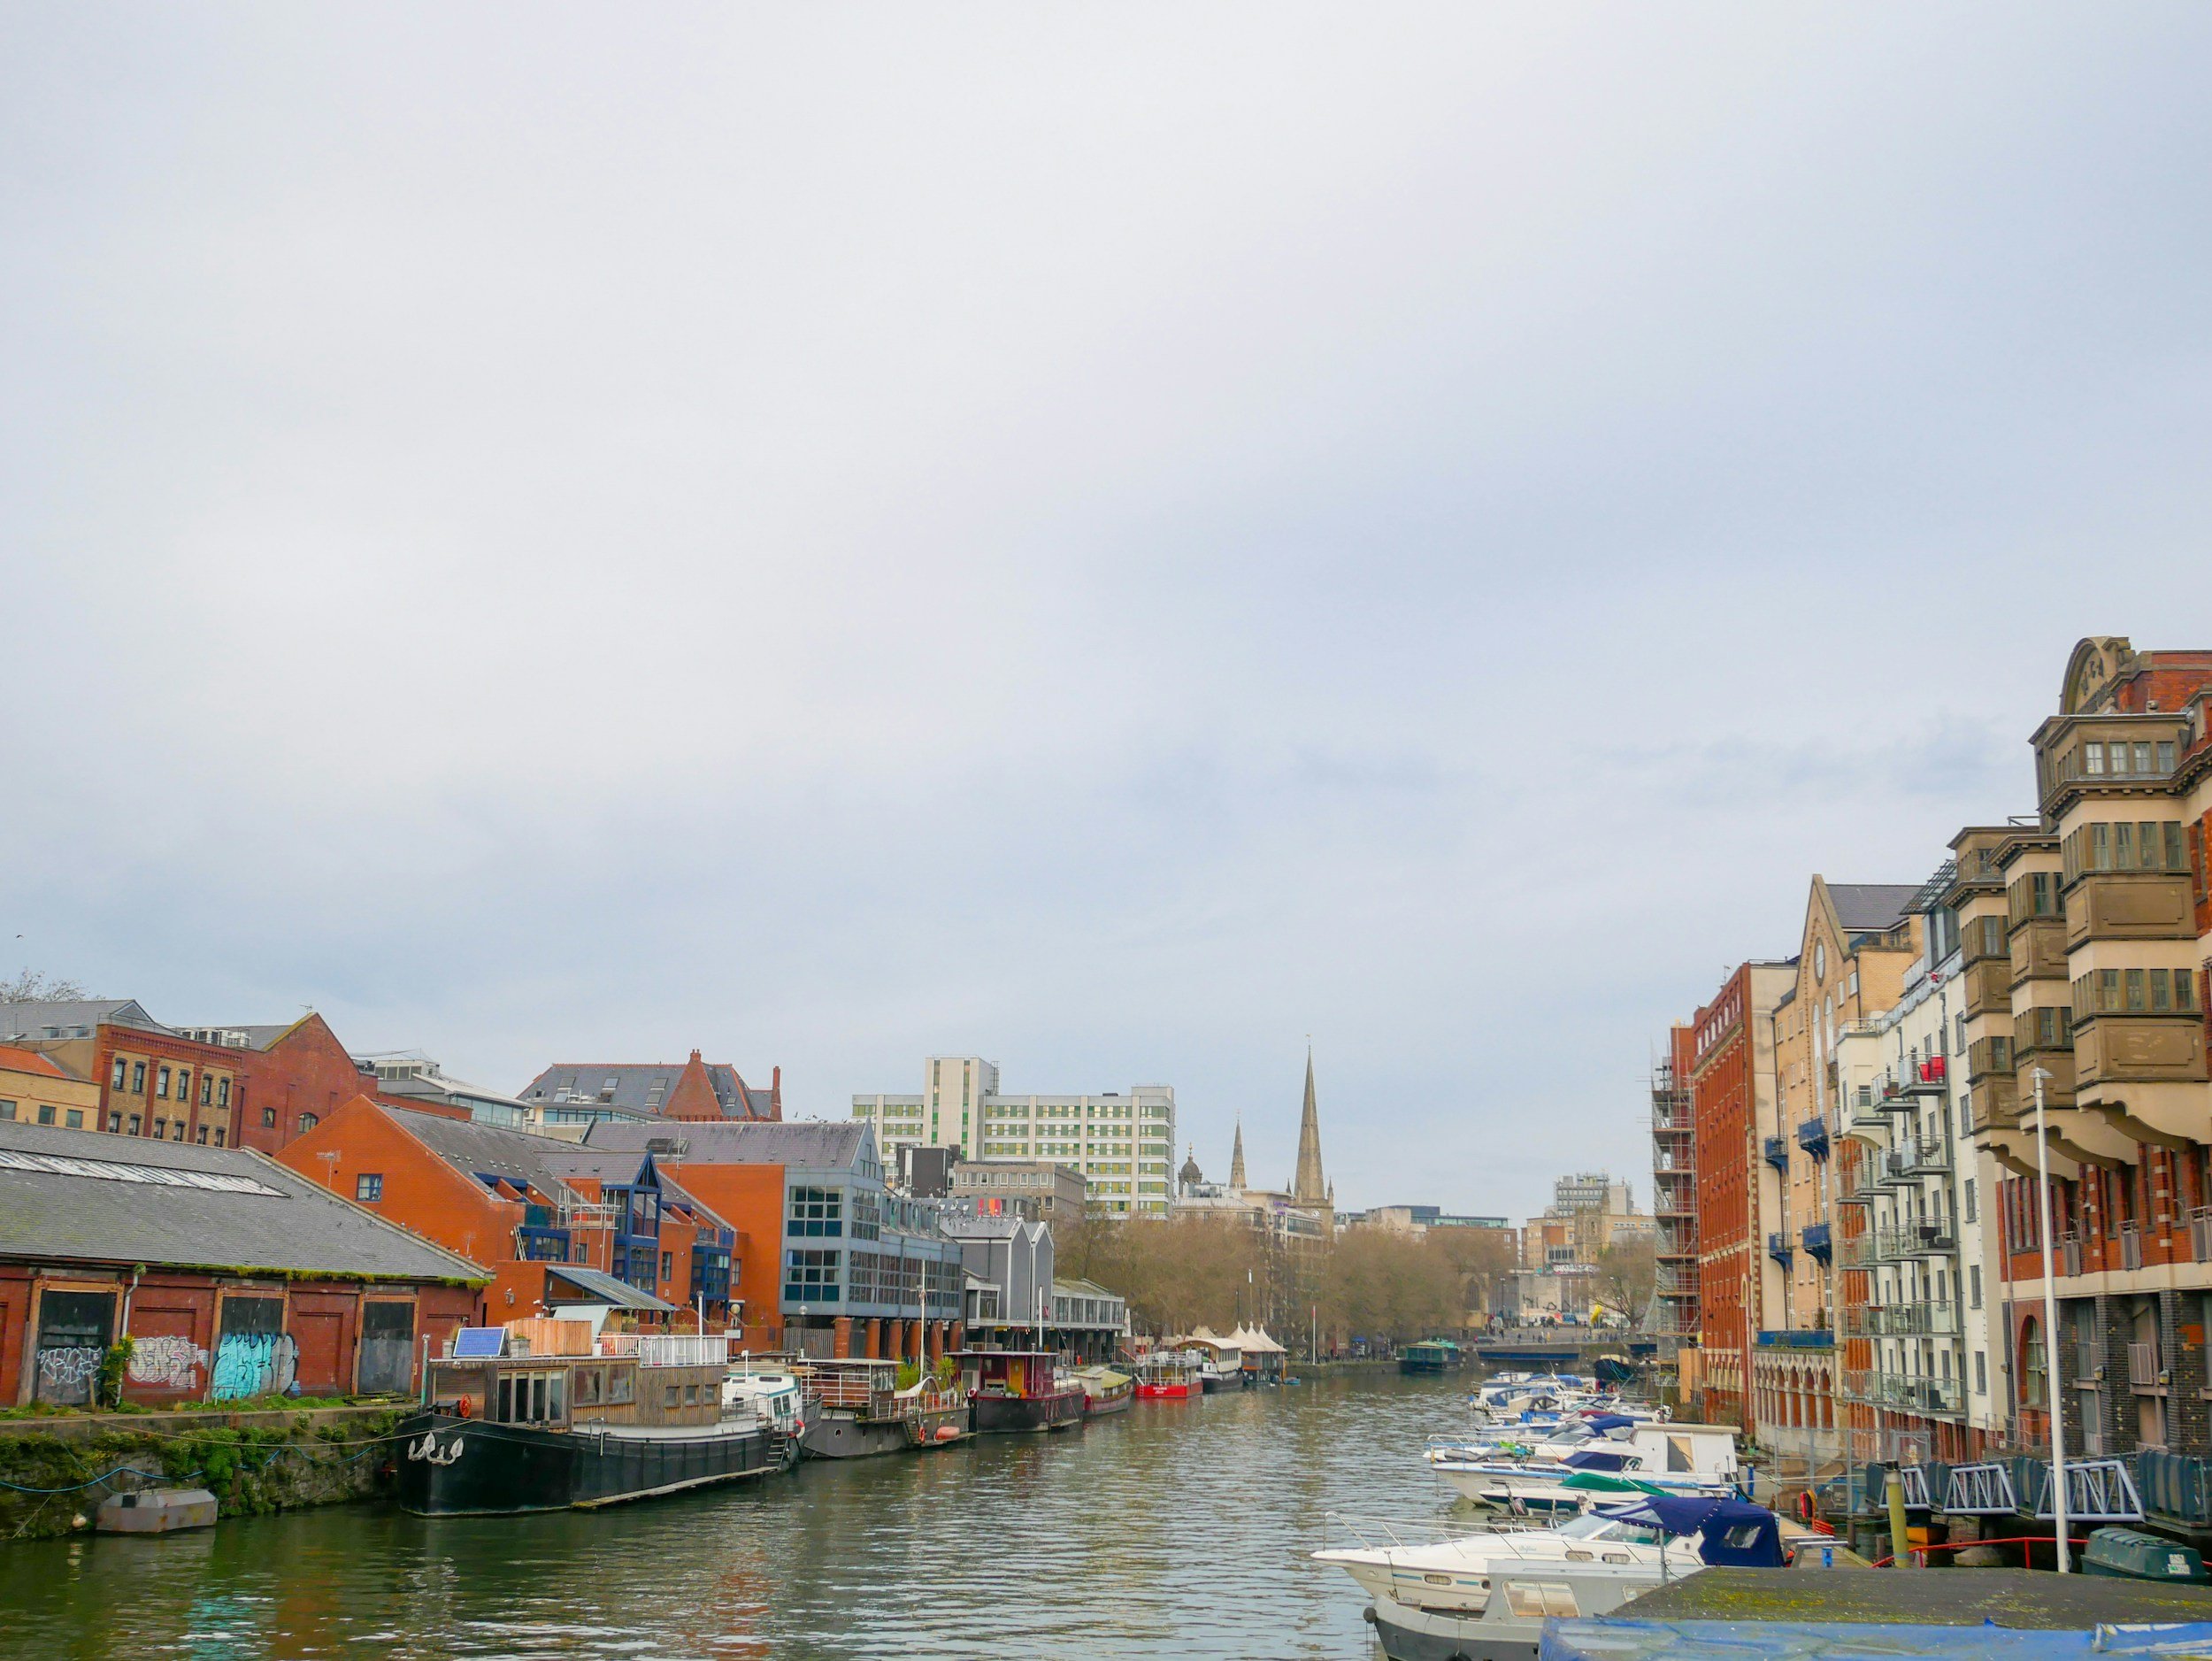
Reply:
x=461 y=1408
x=946 y=1432
x=1367 y=1614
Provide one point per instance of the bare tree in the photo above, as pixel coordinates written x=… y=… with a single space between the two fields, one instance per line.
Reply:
x=29 y=986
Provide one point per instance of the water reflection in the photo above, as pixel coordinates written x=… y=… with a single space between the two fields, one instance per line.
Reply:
x=1177 y=1528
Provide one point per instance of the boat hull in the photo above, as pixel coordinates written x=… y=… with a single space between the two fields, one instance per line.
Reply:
x=1215 y=1386
x=1002 y=1415
x=457 y=1467
x=1413 y=1634
x=1168 y=1392
x=839 y=1436
x=1099 y=1406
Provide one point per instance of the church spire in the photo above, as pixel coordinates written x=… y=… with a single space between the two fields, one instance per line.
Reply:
x=1236 y=1161
x=1311 y=1187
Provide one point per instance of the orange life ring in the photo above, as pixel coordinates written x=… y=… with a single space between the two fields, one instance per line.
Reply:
x=461 y=1408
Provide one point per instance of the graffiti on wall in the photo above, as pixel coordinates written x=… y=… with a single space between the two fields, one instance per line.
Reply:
x=65 y=1373
x=166 y=1362
x=253 y=1364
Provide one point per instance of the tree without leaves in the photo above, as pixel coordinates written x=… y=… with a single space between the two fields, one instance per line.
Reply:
x=29 y=986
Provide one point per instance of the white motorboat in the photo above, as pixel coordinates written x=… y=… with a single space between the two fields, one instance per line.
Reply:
x=1690 y=1458
x=1455 y=1574
x=770 y=1394
x=1451 y=1613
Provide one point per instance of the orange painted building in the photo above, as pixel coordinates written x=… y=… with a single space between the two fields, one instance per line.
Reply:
x=553 y=1223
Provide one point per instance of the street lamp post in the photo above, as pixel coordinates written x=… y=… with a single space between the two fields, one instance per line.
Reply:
x=2050 y=1328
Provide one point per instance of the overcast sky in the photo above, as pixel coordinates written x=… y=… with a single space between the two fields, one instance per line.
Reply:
x=1111 y=538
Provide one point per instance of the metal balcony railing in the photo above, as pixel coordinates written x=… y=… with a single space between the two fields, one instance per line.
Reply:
x=2070 y=1253
x=1812 y=1136
x=1777 y=1153
x=2201 y=1234
x=2131 y=1246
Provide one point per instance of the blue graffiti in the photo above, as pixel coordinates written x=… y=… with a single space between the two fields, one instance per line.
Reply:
x=252 y=1364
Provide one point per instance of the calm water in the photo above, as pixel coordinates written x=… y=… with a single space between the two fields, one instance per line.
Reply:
x=1175 y=1529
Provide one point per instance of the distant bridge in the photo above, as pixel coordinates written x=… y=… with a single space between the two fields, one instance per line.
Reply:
x=1553 y=1346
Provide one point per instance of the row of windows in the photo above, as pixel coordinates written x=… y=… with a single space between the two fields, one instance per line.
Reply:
x=2135 y=992
x=2125 y=846
x=214 y=1092
x=2046 y=1026
x=2136 y=757
x=816 y=1211
x=73 y=1120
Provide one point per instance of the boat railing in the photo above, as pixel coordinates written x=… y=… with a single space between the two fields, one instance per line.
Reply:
x=683 y=1350
x=1385 y=1533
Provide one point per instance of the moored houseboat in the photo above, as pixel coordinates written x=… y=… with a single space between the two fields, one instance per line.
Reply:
x=1105 y=1391
x=858 y=1410
x=1431 y=1356
x=1169 y=1375
x=1018 y=1389
x=507 y=1431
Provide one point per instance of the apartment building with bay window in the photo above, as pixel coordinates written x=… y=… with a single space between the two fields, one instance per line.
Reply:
x=2107 y=927
x=1120 y=1143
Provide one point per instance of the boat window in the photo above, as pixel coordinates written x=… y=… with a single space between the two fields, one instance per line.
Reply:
x=1540 y=1597
x=1585 y=1528
x=621 y=1383
x=553 y=1392
x=506 y=1413
x=588 y=1382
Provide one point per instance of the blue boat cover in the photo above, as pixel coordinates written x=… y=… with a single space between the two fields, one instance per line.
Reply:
x=1732 y=1533
x=1841 y=1641
x=1603 y=1422
x=1598 y=1459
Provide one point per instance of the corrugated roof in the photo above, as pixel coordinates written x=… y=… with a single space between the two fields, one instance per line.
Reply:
x=284 y=1221
x=828 y=1143
x=1864 y=907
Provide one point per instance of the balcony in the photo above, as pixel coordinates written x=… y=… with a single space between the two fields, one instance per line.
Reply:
x=2201 y=1234
x=1905 y=1320
x=1812 y=1136
x=1912 y=1395
x=1861 y=1116
x=1777 y=1154
x=1797 y=1338
x=1778 y=1249
x=2069 y=1257
x=1816 y=1239
x=1892 y=1096
x=2131 y=1246
x=1927 y=1156
x=1929 y=1076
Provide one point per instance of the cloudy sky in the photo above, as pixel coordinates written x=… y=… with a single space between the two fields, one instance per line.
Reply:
x=1112 y=538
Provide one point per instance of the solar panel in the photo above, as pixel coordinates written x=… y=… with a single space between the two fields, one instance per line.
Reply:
x=479 y=1344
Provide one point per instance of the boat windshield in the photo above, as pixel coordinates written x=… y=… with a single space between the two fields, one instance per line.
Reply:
x=1592 y=1526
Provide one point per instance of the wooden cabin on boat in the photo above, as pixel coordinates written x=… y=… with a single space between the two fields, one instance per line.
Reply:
x=1018 y=1389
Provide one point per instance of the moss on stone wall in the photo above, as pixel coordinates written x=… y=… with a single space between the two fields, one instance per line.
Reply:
x=52 y=1482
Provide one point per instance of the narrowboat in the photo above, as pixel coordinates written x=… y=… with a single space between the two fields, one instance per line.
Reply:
x=1169 y=1375
x=858 y=1410
x=1018 y=1389
x=1431 y=1356
x=1104 y=1391
x=503 y=1433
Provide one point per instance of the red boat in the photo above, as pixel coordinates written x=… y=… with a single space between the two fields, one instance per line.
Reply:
x=1169 y=1375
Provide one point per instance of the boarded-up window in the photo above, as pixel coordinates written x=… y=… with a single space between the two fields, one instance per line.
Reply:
x=387 y=1349
x=74 y=1330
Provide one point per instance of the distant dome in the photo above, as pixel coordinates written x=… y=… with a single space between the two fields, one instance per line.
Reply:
x=1190 y=1175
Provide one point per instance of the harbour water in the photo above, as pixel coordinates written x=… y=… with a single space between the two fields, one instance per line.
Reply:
x=1175 y=1529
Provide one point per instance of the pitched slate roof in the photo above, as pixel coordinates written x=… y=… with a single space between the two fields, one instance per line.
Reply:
x=520 y=1155
x=632 y=1085
x=74 y=1195
x=825 y=1144
x=59 y=1018
x=1867 y=907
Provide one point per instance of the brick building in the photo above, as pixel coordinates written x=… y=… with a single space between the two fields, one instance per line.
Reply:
x=102 y=1237
x=293 y=1077
x=527 y=1207
x=1728 y=1087
x=155 y=1083
x=39 y=1090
